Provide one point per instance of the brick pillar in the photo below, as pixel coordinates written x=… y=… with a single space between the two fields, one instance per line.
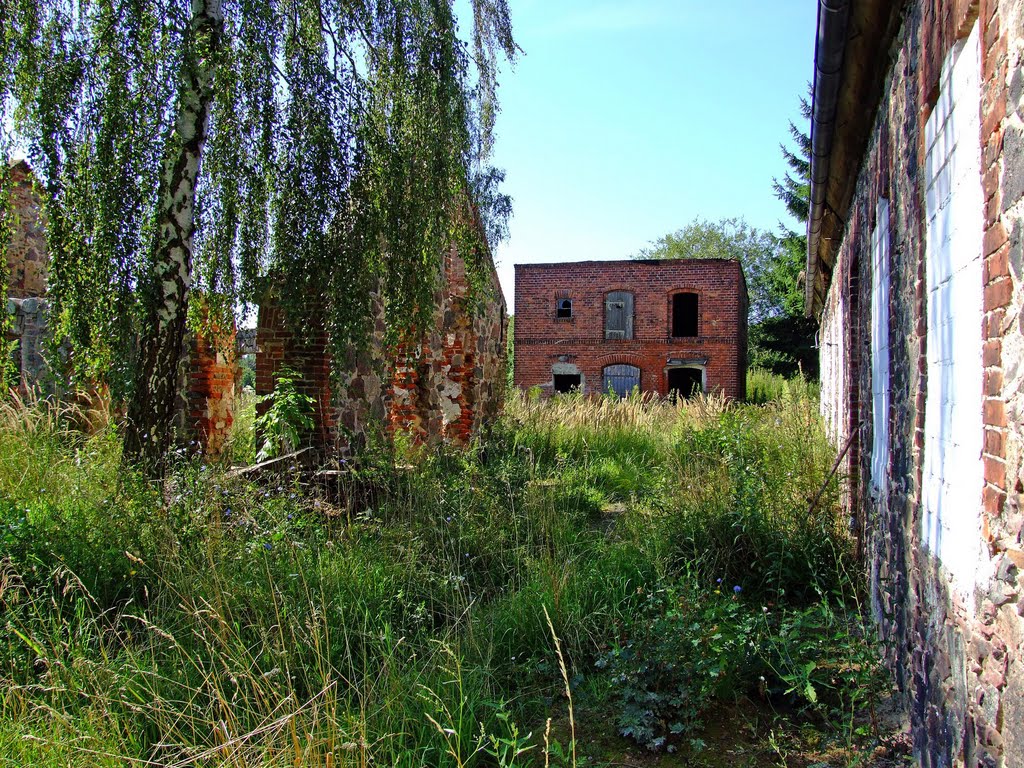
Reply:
x=213 y=368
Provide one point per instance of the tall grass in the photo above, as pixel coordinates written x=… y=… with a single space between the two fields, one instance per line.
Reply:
x=405 y=620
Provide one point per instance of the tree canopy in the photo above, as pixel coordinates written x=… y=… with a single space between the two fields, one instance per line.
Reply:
x=333 y=147
x=724 y=239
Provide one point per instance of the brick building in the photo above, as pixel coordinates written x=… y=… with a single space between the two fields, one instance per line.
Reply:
x=916 y=272
x=660 y=325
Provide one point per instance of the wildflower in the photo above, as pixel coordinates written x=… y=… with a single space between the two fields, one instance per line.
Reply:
x=718 y=581
x=448 y=519
x=737 y=589
x=268 y=546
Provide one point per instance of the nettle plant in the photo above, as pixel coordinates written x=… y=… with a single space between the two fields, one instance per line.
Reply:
x=289 y=415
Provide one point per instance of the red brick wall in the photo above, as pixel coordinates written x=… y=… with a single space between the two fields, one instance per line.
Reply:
x=542 y=339
x=212 y=372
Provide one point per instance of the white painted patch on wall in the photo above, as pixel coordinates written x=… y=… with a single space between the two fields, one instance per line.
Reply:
x=832 y=358
x=880 y=349
x=953 y=472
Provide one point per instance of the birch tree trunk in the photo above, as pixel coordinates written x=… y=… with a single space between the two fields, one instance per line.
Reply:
x=151 y=411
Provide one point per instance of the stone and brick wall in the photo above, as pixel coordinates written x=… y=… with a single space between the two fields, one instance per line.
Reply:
x=445 y=385
x=26 y=253
x=546 y=345
x=209 y=367
x=26 y=265
x=953 y=629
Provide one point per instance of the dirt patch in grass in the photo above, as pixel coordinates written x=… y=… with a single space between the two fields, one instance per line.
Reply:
x=751 y=734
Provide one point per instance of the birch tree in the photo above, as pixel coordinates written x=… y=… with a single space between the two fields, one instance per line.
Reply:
x=324 y=146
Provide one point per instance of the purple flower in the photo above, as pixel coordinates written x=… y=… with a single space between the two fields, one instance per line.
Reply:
x=268 y=546
x=737 y=589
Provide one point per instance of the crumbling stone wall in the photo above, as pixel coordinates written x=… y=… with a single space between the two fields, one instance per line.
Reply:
x=26 y=253
x=209 y=366
x=444 y=387
x=26 y=264
x=212 y=378
x=956 y=649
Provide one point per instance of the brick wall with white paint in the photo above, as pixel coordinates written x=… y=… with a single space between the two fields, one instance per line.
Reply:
x=953 y=476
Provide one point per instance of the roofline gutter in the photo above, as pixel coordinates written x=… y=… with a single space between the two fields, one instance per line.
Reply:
x=829 y=50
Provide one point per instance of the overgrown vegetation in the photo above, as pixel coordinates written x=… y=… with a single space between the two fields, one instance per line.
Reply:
x=399 y=617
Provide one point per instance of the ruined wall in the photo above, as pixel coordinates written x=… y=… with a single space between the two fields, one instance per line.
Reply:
x=546 y=345
x=446 y=386
x=213 y=374
x=26 y=253
x=209 y=367
x=953 y=629
x=26 y=263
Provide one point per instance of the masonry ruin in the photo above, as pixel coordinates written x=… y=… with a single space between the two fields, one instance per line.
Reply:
x=446 y=385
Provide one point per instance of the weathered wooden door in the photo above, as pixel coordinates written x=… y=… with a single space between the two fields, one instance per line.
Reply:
x=621 y=379
x=618 y=315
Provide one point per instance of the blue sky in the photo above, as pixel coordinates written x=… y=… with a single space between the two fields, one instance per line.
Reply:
x=623 y=121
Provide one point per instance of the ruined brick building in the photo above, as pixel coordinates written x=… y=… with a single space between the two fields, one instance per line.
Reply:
x=446 y=386
x=916 y=271
x=662 y=326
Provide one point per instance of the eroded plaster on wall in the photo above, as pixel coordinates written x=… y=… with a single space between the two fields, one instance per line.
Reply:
x=880 y=383
x=953 y=473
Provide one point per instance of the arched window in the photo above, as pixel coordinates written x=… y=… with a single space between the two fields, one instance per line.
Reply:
x=563 y=309
x=685 y=315
x=621 y=379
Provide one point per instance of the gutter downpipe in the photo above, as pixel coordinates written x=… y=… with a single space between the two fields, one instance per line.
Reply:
x=833 y=18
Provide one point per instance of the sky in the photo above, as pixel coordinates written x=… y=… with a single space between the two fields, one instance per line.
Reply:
x=625 y=120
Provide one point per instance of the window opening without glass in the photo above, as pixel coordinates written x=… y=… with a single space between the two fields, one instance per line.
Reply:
x=564 y=309
x=684 y=314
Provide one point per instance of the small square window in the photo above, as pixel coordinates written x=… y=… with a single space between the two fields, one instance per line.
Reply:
x=563 y=310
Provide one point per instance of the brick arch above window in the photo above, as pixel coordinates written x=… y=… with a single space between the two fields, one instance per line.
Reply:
x=619 y=358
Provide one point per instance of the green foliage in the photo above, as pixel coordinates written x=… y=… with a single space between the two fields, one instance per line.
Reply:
x=764 y=387
x=510 y=354
x=725 y=239
x=346 y=144
x=248 y=365
x=288 y=416
x=400 y=620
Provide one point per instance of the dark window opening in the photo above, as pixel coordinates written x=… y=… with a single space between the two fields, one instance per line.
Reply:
x=618 y=315
x=621 y=380
x=685 y=382
x=567 y=382
x=684 y=314
x=564 y=310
